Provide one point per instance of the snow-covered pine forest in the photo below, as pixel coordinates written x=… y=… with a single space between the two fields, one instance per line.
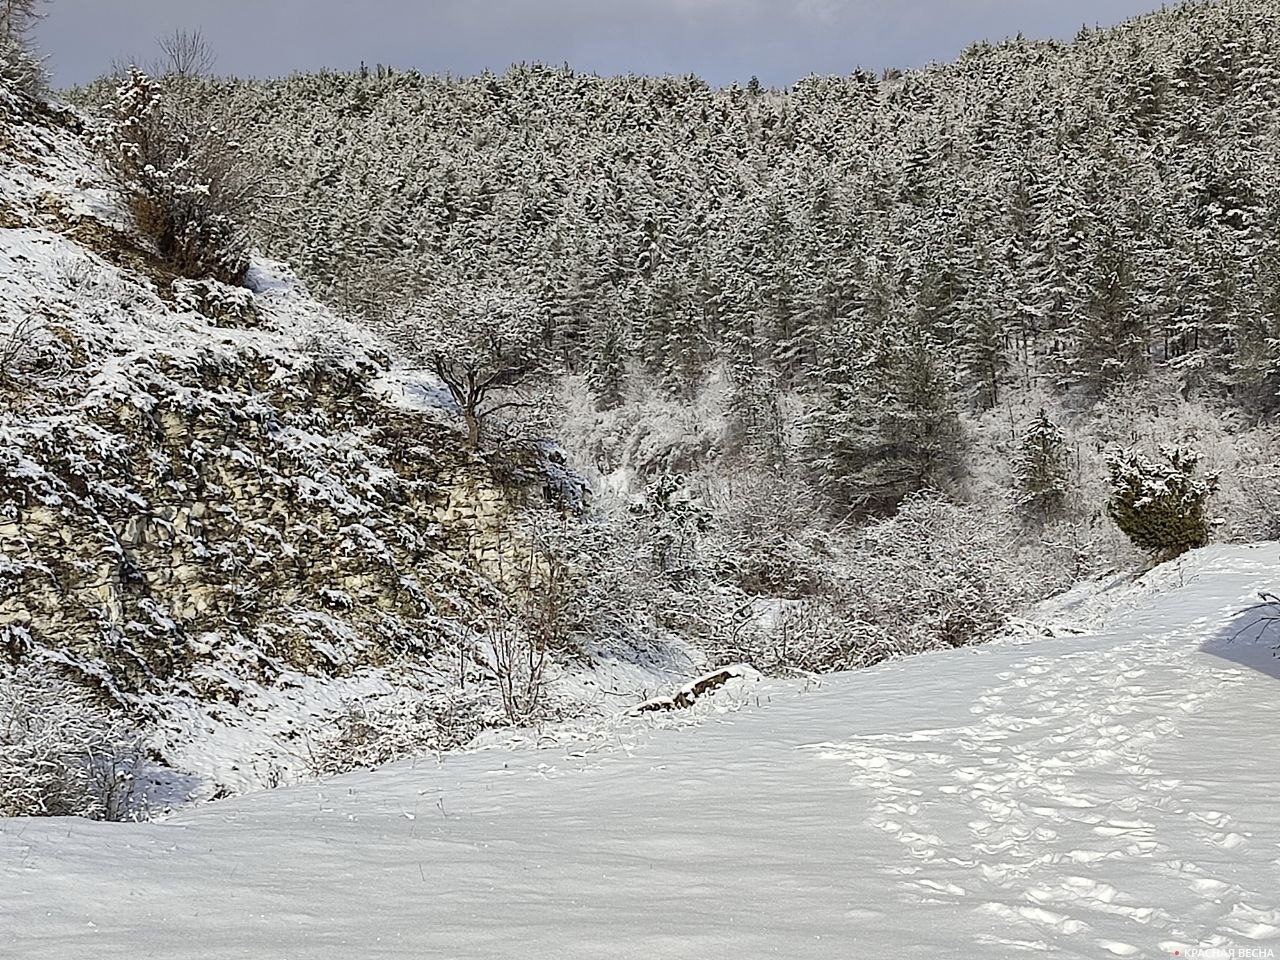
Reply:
x=779 y=319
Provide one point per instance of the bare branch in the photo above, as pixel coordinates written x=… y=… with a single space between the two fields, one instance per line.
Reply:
x=187 y=54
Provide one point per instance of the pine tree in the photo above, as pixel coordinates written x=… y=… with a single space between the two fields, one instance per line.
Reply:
x=606 y=373
x=1112 y=342
x=887 y=426
x=1040 y=470
x=1160 y=504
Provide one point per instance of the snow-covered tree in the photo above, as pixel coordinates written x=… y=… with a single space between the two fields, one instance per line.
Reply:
x=480 y=340
x=1160 y=503
x=887 y=426
x=19 y=66
x=187 y=184
x=1040 y=469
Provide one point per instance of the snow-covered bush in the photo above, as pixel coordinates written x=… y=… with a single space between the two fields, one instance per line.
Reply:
x=408 y=723
x=1248 y=495
x=226 y=306
x=942 y=574
x=186 y=180
x=766 y=535
x=19 y=67
x=61 y=754
x=673 y=519
x=938 y=574
x=813 y=635
x=1160 y=504
x=16 y=346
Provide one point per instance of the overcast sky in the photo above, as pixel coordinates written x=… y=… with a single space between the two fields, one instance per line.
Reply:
x=722 y=40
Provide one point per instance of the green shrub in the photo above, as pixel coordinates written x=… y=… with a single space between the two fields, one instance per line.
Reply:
x=1160 y=504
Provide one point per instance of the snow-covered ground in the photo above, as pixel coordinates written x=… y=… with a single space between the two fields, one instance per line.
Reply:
x=1108 y=794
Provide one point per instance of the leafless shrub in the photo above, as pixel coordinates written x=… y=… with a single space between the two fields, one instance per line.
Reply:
x=188 y=181
x=938 y=575
x=16 y=346
x=31 y=353
x=533 y=624
x=942 y=574
x=765 y=538
x=519 y=666
x=367 y=734
x=114 y=769
x=61 y=754
x=804 y=637
x=271 y=774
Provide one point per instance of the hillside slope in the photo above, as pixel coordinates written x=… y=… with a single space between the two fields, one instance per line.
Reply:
x=1110 y=794
x=805 y=306
x=1074 y=213
x=219 y=509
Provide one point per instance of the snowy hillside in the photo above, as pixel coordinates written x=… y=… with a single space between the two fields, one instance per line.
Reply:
x=220 y=510
x=1107 y=794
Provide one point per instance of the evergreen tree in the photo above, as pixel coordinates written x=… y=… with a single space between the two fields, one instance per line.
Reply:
x=1112 y=342
x=887 y=426
x=1160 y=504
x=1040 y=470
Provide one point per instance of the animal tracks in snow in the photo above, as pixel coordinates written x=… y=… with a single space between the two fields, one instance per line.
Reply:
x=1027 y=812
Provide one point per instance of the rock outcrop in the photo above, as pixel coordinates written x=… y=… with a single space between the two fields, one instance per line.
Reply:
x=204 y=489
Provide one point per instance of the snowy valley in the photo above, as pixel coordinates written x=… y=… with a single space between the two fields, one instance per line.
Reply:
x=551 y=515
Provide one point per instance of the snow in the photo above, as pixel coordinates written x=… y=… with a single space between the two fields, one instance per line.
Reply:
x=416 y=391
x=1104 y=794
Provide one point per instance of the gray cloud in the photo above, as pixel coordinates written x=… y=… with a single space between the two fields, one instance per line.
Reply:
x=722 y=40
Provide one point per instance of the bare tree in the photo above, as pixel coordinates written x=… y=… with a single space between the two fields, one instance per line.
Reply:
x=519 y=664
x=187 y=54
x=480 y=341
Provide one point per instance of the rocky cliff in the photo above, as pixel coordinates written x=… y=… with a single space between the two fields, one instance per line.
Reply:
x=214 y=500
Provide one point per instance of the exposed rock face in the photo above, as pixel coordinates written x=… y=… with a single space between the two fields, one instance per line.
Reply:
x=204 y=487
x=216 y=503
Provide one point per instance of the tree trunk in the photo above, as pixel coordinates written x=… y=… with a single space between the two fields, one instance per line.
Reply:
x=473 y=428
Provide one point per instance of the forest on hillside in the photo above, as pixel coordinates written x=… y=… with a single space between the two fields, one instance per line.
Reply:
x=881 y=351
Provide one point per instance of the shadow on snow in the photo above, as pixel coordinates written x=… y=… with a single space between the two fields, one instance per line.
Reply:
x=1252 y=638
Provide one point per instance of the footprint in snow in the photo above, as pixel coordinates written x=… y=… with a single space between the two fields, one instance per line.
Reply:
x=1227 y=841
x=1118 y=949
